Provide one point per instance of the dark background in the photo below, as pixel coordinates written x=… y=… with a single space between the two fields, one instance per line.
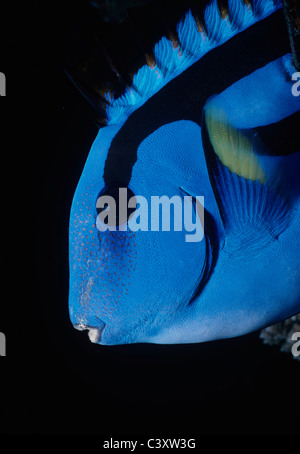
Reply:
x=53 y=379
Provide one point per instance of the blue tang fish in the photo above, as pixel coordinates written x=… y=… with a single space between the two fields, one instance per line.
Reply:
x=189 y=127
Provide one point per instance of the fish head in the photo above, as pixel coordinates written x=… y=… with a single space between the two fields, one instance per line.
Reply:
x=130 y=285
x=127 y=277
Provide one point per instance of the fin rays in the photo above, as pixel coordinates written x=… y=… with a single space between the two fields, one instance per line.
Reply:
x=253 y=210
x=195 y=40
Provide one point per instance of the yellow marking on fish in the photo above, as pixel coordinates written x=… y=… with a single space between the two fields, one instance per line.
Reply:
x=233 y=148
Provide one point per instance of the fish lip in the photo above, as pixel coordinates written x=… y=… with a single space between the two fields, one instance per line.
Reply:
x=94 y=332
x=79 y=326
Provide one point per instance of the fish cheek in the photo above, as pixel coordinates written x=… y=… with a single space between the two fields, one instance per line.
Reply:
x=115 y=270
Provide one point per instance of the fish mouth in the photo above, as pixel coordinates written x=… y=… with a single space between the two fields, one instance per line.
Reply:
x=94 y=333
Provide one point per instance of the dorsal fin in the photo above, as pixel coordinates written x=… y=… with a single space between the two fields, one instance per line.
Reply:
x=171 y=58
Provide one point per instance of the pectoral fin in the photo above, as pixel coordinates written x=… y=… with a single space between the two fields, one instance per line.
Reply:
x=253 y=208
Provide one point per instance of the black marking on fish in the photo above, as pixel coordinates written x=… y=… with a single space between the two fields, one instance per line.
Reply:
x=184 y=97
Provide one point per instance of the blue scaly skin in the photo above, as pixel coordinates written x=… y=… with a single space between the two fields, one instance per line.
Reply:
x=128 y=287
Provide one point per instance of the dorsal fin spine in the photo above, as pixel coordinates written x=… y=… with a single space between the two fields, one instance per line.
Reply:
x=193 y=44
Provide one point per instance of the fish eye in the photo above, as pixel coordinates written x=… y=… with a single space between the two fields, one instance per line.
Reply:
x=115 y=205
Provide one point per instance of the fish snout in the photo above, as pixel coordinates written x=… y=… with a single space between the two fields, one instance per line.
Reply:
x=94 y=333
